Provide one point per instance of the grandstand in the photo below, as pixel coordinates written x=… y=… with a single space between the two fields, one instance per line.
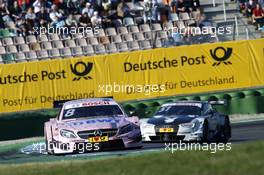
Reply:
x=114 y=26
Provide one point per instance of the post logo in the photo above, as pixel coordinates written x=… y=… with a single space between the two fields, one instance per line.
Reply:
x=223 y=58
x=86 y=69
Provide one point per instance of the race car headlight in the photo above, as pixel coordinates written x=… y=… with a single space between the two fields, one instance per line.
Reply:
x=197 y=125
x=187 y=125
x=67 y=133
x=126 y=129
x=147 y=128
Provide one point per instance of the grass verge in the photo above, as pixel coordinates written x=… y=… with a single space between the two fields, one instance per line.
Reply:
x=243 y=159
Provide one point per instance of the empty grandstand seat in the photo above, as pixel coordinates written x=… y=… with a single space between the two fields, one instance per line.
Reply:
x=31 y=39
x=54 y=53
x=103 y=40
x=116 y=39
x=110 y=31
x=2 y=50
x=111 y=48
x=133 y=45
x=77 y=35
x=92 y=41
x=167 y=26
x=8 y=58
x=89 y=34
x=42 y=38
x=46 y=45
x=156 y=27
x=11 y=49
x=162 y=34
x=128 y=21
x=190 y=22
x=65 y=52
x=122 y=47
x=144 y=28
x=138 y=36
x=19 y=40
x=157 y=43
x=34 y=46
x=88 y=50
x=57 y=44
x=128 y=37
x=122 y=30
x=1 y=60
x=20 y=57
x=77 y=51
x=180 y=24
x=42 y=54
x=65 y=37
x=145 y=44
x=23 y=48
x=99 y=32
x=31 y=56
x=99 y=49
x=174 y=17
x=184 y=16
x=7 y=41
x=149 y=35
x=133 y=29
x=53 y=37
x=81 y=42
x=70 y=43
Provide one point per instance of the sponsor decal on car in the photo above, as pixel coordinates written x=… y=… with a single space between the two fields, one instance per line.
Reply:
x=98 y=139
x=165 y=130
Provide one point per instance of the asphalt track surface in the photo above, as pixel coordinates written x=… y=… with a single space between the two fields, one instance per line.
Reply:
x=241 y=133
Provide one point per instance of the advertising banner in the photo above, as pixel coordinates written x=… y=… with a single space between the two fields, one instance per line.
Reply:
x=133 y=75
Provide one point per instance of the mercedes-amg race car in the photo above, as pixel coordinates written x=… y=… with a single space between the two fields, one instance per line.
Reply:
x=91 y=125
x=187 y=121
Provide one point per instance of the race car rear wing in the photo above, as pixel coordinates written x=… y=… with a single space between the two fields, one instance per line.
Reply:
x=60 y=103
x=218 y=102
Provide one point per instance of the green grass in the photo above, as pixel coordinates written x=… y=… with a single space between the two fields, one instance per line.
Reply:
x=17 y=144
x=243 y=159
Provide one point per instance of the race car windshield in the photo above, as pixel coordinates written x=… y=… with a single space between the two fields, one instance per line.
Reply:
x=92 y=111
x=179 y=110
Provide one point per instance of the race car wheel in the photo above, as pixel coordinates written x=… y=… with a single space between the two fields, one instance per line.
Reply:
x=50 y=152
x=206 y=132
x=226 y=131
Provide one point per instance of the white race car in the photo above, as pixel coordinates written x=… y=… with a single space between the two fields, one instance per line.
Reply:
x=91 y=125
x=187 y=121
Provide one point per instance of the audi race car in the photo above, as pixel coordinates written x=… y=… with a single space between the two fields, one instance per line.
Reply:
x=187 y=121
x=91 y=125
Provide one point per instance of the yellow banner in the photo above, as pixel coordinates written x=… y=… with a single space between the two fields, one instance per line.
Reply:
x=133 y=75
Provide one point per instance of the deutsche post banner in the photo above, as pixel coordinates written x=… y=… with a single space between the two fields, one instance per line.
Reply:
x=133 y=75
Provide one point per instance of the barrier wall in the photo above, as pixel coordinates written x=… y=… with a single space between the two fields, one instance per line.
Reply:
x=134 y=75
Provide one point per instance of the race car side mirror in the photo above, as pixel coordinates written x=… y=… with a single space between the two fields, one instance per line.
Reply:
x=132 y=113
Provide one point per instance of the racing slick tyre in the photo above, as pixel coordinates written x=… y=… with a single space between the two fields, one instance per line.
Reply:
x=225 y=132
x=49 y=148
x=206 y=133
